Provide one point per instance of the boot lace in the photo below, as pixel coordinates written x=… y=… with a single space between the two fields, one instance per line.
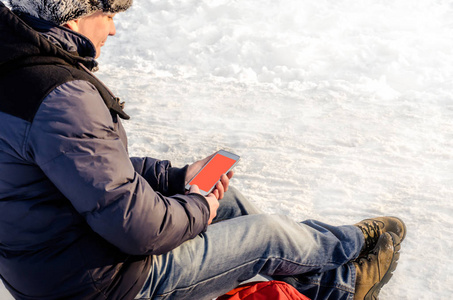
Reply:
x=371 y=232
x=369 y=257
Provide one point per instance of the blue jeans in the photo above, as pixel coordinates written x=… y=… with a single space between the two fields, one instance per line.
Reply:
x=242 y=243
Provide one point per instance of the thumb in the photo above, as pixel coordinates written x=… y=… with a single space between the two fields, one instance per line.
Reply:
x=194 y=189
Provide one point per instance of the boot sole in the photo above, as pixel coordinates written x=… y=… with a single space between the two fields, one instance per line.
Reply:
x=373 y=293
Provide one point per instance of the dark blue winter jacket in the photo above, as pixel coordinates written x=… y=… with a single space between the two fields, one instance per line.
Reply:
x=79 y=218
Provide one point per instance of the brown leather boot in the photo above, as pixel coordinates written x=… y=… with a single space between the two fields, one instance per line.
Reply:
x=373 y=228
x=375 y=270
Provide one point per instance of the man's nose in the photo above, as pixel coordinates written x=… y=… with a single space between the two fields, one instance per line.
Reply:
x=112 y=29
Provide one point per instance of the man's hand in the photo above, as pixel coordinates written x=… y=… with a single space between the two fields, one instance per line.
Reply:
x=216 y=194
x=212 y=201
x=195 y=167
x=221 y=186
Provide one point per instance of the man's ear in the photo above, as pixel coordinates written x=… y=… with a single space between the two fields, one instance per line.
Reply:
x=73 y=25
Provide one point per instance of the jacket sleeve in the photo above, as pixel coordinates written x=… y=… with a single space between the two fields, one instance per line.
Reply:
x=161 y=175
x=74 y=141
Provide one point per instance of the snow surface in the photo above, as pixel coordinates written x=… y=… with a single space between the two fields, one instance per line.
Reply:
x=341 y=110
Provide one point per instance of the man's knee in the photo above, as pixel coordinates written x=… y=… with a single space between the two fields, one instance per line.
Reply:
x=236 y=198
x=233 y=205
x=280 y=228
x=273 y=225
x=233 y=194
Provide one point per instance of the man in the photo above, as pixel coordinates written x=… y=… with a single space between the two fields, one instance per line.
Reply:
x=80 y=219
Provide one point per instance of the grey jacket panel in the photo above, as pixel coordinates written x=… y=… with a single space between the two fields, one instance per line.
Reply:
x=75 y=142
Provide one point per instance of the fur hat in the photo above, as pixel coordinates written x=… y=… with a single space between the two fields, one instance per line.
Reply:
x=62 y=11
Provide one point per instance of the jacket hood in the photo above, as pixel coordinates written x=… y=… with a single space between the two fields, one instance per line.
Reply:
x=29 y=36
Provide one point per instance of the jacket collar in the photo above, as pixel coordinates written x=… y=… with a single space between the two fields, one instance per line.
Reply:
x=28 y=40
x=66 y=39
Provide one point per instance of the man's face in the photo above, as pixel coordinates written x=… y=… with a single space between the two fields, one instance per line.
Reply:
x=97 y=27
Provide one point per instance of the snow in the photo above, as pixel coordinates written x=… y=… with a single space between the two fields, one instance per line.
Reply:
x=341 y=110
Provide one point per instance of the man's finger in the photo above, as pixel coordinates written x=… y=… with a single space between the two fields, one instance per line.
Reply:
x=220 y=189
x=225 y=181
x=194 y=189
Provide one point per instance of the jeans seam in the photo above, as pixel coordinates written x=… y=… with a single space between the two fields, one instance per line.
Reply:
x=337 y=286
x=354 y=279
x=346 y=288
